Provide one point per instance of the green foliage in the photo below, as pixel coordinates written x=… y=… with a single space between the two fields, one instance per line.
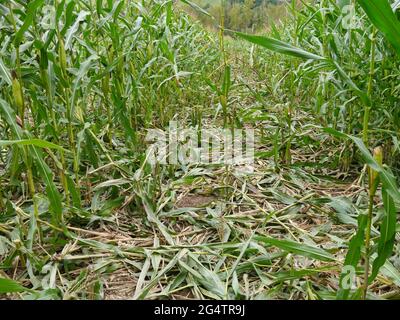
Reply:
x=382 y=16
x=242 y=14
x=9 y=286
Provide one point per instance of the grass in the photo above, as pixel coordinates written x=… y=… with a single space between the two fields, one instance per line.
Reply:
x=84 y=216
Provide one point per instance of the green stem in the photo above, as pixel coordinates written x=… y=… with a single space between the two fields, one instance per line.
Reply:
x=223 y=98
x=368 y=246
x=367 y=108
x=27 y=159
x=71 y=137
x=2 y=204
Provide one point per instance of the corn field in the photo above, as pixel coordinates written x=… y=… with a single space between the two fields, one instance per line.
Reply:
x=84 y=214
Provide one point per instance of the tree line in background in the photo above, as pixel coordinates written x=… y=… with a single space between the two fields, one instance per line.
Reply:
x=243 y=15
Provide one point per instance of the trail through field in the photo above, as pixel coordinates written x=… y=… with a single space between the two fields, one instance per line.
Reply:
x=280 y=232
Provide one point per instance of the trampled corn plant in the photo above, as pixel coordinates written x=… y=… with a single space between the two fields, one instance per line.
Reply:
x=375 y=38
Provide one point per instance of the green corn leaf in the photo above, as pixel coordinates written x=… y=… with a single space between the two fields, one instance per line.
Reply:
x=353 y=255
x=387 y=234
x=99 y=6
x=11 y=286
x=169 y=13
x=227 y=81
x=51 y=189
x=4 y=73
x=279 y=46
x=298 y=248
x=32 y=142
x=74 y=29
x=381 y=15
x=197 y=8
x=83 y=70
x=30 y=15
